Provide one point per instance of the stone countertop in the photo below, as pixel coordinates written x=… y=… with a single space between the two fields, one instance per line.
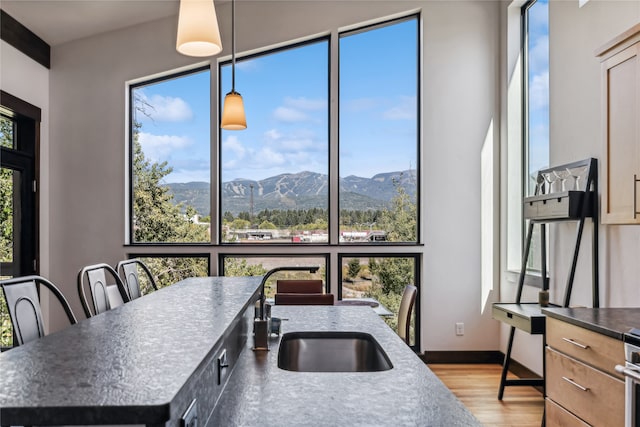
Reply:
x=127 y=365
x=613 y=322
x=261 y=394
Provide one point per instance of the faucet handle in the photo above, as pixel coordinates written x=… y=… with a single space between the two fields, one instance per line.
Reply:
x=267 y=310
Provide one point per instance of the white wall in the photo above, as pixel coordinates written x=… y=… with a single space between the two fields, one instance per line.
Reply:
x=460 y=63
x=575 y=134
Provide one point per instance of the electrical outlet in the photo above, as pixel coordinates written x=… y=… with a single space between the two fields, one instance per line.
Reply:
x=459 y=328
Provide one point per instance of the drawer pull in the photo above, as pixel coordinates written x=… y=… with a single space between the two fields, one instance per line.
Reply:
x=577 y=344
x=570 y=381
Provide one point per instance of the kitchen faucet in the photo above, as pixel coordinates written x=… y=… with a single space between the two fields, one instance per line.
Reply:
x=261 y=327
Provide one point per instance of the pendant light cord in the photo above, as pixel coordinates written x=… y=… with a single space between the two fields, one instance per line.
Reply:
x=233 y=46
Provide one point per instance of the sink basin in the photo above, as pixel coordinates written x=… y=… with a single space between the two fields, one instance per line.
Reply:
x=331 y=352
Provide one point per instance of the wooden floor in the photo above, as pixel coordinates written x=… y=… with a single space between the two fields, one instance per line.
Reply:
x=476 y=385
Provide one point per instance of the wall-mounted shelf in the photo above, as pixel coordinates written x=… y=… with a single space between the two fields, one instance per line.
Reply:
x=543 y=207
x=565 y=206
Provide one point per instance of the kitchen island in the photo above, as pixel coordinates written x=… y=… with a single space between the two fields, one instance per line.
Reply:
x=141 y=363
x=184 y=353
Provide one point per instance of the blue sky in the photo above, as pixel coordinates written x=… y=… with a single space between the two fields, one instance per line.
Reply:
x=286 y=101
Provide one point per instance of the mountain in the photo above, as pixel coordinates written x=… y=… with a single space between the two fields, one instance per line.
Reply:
x=302 y=190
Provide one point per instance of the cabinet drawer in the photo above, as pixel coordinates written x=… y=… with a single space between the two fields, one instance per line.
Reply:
x=526 y=316
x=597 y=397
x=556 y=415
x=590 y=347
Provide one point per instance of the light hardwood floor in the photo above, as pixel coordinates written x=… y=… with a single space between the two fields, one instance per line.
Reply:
x=476 y=385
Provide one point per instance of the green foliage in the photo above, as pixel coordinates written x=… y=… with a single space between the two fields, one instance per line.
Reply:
x=6 y=215
x=353 y=268
x=6 y=227
x=6 y=196
x=240 y=224
x=240 y=267
x=169 y=270
x=266 y=225
x=392 y=274
x=400 y=222
x=227 y=217
x=307 y=219
x=156 y=218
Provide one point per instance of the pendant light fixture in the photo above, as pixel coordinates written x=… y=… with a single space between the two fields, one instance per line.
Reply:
x=198 y=31
x=233 y=117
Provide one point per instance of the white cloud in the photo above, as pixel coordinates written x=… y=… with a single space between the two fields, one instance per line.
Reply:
x=295 y=144
x=167 y=108
x=160 y=147
x=286 y=114
x=405 y=109
x=300 y=139
x=189 y=175
x=539 y=91
x=277 y=153
x=272 y=135
x=233 y=145
x=267 y=158
x=307 y=104
x=538 y=55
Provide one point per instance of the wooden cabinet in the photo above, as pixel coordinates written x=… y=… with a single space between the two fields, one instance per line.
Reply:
x=621 y=128
x=582 y=386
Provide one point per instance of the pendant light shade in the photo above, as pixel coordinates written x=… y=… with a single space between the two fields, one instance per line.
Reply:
x=233 y=117
x=198 y=32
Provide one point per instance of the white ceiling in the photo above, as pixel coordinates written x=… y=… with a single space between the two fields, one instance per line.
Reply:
x=60 y=21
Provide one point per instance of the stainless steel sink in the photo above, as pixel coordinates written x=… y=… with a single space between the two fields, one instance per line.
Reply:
x=331 y=352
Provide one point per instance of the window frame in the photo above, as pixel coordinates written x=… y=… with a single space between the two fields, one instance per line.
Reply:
x=169 y=75
x=419 y=141
x=333 y=251
x=533 y=277
x=417 y=274
x=220 y=100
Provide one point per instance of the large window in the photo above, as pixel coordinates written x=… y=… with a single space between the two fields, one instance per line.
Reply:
x=170 y=157
x=275 y=174
x=536 y=106
x=379 y=133
x=327 y=168
x=536 y=93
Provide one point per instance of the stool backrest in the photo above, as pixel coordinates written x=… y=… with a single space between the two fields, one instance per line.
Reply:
x=103 y=295
x=23 y=303
x=128 y=271
x=304 y=299
x=294 y=286
x=405 y=311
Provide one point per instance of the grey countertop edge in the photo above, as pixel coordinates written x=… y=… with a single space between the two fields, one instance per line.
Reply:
x=610 y=321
